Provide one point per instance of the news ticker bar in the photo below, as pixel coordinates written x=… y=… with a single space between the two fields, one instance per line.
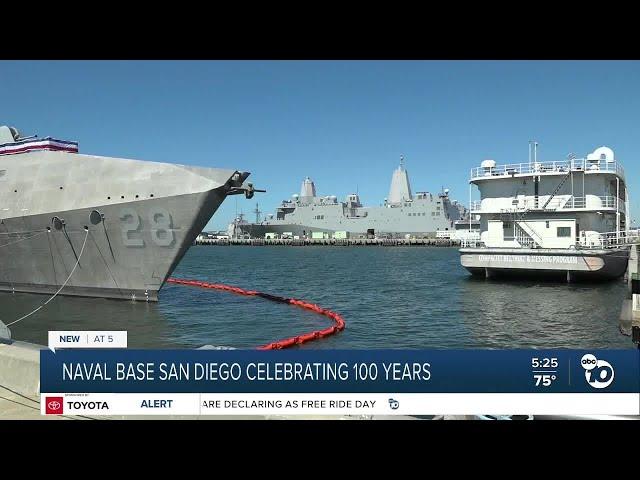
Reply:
x=340 y=371
x=205 y=404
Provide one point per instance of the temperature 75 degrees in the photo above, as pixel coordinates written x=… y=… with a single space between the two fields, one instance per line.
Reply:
x=544 y=379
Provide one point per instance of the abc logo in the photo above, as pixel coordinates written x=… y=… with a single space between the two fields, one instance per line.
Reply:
x=599 y=373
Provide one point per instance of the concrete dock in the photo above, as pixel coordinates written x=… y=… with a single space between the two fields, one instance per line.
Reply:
x=332 y=242
x=20 y=382
x=630 y=314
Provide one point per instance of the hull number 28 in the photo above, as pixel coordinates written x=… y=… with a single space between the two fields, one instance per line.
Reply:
x=133 y=228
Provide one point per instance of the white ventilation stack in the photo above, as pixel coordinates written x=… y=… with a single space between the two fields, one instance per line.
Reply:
x=308 y=188
x=400 y=189
x=7 y=134
x=602 y=153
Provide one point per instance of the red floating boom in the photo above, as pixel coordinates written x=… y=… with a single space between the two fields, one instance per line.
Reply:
x=287 y=342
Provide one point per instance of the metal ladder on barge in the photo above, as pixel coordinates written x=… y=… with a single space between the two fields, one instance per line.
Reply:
x=520 y=219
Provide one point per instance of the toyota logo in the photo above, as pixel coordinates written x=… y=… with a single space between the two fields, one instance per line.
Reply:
x=53 y=405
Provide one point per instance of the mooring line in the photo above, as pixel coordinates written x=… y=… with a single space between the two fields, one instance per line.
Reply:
x=60 y=289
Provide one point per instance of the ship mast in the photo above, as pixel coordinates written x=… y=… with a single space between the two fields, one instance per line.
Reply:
x=534 y=144
x=257 y=212
x=239 y=219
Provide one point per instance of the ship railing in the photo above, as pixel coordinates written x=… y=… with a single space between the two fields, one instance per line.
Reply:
x=613 y=239
x=586 y=202
x=559 y=202
x=604 y=240
x=471 y=243
x=537 y=201
x=523 y=237
x=523 y=240
x=560 y=166
x=471 y=239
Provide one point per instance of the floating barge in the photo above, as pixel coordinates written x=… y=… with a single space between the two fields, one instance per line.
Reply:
x=561 y=264
x=564 y=219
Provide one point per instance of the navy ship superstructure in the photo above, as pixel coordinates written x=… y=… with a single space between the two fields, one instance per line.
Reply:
x=402 y=213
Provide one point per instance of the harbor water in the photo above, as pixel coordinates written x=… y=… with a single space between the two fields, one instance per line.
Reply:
x=398 y=297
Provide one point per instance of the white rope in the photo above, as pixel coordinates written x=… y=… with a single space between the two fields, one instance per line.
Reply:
x=60 y=289
x=22 y=239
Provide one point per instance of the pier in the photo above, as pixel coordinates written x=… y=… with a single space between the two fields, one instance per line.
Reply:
x=332 y=242
x=19 y=380
x=630 y=314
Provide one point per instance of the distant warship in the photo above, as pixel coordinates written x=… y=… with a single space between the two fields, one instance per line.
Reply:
x=123 y=225
x=402 y=213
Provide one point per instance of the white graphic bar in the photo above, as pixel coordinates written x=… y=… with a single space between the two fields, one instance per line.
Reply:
x=340 y=404
x=87 y=339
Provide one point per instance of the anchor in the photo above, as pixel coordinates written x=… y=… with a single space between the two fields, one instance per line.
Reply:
x=236 y=187
x=248 y=191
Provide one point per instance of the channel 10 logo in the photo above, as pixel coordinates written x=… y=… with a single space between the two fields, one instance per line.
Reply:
x=599 y=373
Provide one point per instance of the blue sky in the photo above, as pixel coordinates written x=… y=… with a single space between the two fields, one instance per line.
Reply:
x=343 y=123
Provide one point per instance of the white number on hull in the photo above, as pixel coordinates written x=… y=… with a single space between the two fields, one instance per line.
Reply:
x=131 y=223
x=161 y=232
x=161 y=227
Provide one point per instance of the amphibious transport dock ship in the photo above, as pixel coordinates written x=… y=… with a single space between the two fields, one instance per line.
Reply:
x=402 y=213
x=567 y=219
x=109 y=227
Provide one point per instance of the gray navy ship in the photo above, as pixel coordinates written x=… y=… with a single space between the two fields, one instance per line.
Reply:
x=402 y=213
x=108 y=227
